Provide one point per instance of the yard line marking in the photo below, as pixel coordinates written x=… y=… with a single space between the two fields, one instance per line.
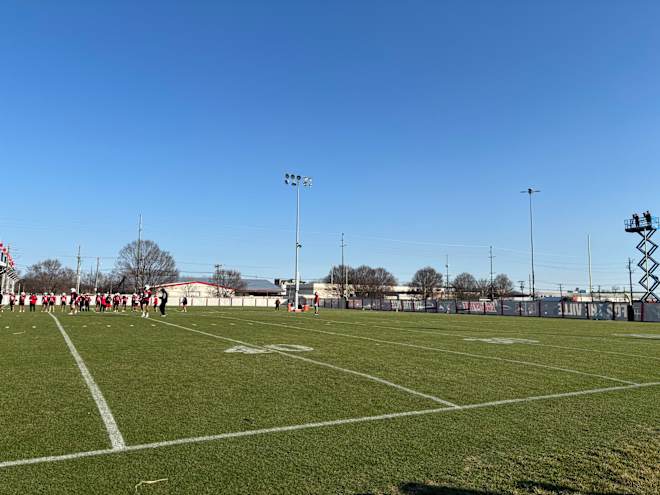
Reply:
x=453 y=317
x=472 y=329
x=438 y=349
x=319 y=424
x=320 y=363
x=116 y=438
x=498 y=331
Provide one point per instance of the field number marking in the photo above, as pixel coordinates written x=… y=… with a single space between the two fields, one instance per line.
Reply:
x=244 y=349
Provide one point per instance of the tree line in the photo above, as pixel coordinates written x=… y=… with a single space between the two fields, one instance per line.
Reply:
x=365 y=281
x=137 y=264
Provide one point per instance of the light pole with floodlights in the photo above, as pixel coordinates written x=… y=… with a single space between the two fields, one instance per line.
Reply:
x=295 y=181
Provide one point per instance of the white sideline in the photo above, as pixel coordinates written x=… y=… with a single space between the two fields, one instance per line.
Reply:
x=116 y=438
x=305 y=426
x=438 y=349
x=320 y=363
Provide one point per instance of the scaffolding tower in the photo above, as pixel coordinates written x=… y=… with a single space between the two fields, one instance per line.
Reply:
x=646 y=226
x=8 y=275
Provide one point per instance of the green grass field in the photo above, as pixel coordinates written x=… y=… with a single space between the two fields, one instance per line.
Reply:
x=347 y=402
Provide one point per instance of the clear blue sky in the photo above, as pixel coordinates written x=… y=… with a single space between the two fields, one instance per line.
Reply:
x=420 y=122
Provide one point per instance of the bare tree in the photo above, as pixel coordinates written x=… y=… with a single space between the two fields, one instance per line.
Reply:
x=226 y=282
x=464 y=284
x=483 y=286
x=426 y=280
x=341 y=276
x=148 y=265
x=49 y=276
x=502 y=285
x=372 y=282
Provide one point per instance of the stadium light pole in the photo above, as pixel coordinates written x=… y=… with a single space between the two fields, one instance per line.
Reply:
x=531 y=191
x=296 y=181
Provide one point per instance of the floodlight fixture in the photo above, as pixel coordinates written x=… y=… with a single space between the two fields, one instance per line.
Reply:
x=295 y=181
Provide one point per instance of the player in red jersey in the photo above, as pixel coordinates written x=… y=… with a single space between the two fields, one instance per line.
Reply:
x=144 y=301
x=317 y=300
x=63 y=302
x=33 y=303
x=73 y=302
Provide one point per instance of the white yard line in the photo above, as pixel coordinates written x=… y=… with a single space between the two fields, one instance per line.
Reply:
x=116 y=438
x=306 y=426
x=438 y=349
x=431 y=332
x=454 y=317
x=319 y=363
x=473 y=329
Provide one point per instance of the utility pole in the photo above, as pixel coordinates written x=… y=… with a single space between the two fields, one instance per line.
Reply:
x=522 y=287
x=591 y=290
x=630 y=279
x=139 y=249
x=561 y=291
x=96 y=279
x=491 y=272
x=343 y=267
x=218 y=267
x=529 y=277
x=447 y=276
x=78 y=272
x=531 y=191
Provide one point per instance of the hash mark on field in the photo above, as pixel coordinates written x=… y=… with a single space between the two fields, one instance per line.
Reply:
x=307 y=426
x=448 y=351
x=116 y=438
x=321 y=363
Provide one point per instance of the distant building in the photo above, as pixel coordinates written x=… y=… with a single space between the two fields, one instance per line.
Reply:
x=330 y=291
x=205 y=289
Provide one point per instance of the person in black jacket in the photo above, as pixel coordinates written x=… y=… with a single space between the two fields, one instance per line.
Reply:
x=163 y=301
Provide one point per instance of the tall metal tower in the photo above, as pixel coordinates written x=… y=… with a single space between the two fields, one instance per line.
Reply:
x=646 y=225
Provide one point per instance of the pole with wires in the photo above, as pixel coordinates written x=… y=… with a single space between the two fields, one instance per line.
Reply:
x=491 y=273
x=138 y=281
x=532 y=280
x=343 y=267
x=78 y=272
x=96 y=278
x=591 y=289
x=630 y=279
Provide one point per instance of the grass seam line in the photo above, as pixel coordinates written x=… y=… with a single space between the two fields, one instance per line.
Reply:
x=438 y=349
x=321 y=363
x=319 y=424
x=116 y=438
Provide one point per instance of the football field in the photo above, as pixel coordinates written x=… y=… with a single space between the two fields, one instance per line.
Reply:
x=256 y=401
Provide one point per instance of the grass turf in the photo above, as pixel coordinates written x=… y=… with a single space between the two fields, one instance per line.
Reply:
x=163 y=383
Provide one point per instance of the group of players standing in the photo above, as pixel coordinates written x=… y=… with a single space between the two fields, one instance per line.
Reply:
x=142 y=301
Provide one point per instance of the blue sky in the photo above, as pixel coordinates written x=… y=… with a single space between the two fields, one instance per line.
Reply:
x=420 y=122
